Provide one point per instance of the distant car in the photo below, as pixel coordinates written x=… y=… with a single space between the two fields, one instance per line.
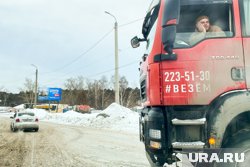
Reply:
x=24 y=120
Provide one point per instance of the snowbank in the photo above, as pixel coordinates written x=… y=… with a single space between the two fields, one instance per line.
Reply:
x=3 y=109
x=19 y=107
x=115 y=117
x=40 y=113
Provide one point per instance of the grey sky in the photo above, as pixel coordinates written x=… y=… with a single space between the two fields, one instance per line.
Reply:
x=56 y=34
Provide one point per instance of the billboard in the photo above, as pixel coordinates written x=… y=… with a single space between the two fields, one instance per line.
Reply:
x=55 y=94
x=50 y=94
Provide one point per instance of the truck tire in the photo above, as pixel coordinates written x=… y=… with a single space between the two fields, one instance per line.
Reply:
x=240 y=143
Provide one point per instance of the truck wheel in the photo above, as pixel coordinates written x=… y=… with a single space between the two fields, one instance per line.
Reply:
x=239 y=144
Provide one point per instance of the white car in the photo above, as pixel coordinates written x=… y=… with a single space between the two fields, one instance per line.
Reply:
x=24 y=120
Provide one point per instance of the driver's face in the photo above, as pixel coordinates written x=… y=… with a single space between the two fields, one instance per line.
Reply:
x=205 y=23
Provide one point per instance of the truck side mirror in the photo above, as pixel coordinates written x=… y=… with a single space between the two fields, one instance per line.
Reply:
x=135 y=42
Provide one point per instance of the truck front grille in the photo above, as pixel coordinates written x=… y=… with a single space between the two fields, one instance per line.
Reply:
x=143 y=90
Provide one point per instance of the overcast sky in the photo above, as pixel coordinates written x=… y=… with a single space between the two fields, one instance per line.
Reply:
x=67 y=38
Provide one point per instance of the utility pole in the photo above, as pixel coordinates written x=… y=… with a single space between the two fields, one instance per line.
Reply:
x=35 y=100
x=117 y=98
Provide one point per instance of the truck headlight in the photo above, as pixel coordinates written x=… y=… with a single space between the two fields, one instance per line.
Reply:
x=156 y=134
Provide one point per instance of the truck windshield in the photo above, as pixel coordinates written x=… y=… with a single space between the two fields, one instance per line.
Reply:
x=220 y=18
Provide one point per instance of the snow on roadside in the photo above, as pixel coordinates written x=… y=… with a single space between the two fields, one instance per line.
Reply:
x=115 y=117
x=40 y=113
x=21 y=106
x=3 y=109
x=70 y=117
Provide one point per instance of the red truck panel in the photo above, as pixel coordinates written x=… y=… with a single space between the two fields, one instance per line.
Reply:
x=200 y=74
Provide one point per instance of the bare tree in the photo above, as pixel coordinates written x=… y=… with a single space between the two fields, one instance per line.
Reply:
x=130 y=95
x=28 y=90
x=74 y=88
x=96 y=92
x=74 y=83
x=104 y=86
x=133 y=97
x=123 y=86
x=5 y=97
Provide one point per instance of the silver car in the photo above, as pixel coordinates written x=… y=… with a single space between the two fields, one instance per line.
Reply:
x=24 y=120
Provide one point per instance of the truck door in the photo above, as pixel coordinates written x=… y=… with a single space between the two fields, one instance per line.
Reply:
x=209 y=66
x=245 y=25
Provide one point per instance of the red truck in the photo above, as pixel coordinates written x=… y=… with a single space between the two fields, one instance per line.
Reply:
x=195 y=93
x=83 y=108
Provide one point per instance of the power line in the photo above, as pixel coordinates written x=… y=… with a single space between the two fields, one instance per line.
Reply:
x=103 y=72
x=123 y=66
x=84 y=53
x=87 y=65
x=17 y=78
x=131 y=22
x=88 y=50
x=93 y=46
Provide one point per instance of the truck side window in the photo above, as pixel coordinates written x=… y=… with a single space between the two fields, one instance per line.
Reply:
x=220 y=15
x=245 y=16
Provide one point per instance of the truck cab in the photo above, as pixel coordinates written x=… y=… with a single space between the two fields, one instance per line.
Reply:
x=194 y=90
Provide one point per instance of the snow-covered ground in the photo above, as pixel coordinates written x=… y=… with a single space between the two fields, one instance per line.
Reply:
x=115 y=117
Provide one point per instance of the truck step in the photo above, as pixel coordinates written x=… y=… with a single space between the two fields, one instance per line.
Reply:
x=200 y=121
x=188 y=145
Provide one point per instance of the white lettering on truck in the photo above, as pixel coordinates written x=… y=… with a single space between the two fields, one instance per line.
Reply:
x=187 y=82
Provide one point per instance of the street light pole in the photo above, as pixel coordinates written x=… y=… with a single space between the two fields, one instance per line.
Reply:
x=117 y=100
x=35 y=100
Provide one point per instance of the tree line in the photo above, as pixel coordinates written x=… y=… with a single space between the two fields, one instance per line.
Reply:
x=97 y=94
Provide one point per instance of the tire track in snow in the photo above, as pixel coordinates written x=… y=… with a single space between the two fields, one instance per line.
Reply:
x=32 y=150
